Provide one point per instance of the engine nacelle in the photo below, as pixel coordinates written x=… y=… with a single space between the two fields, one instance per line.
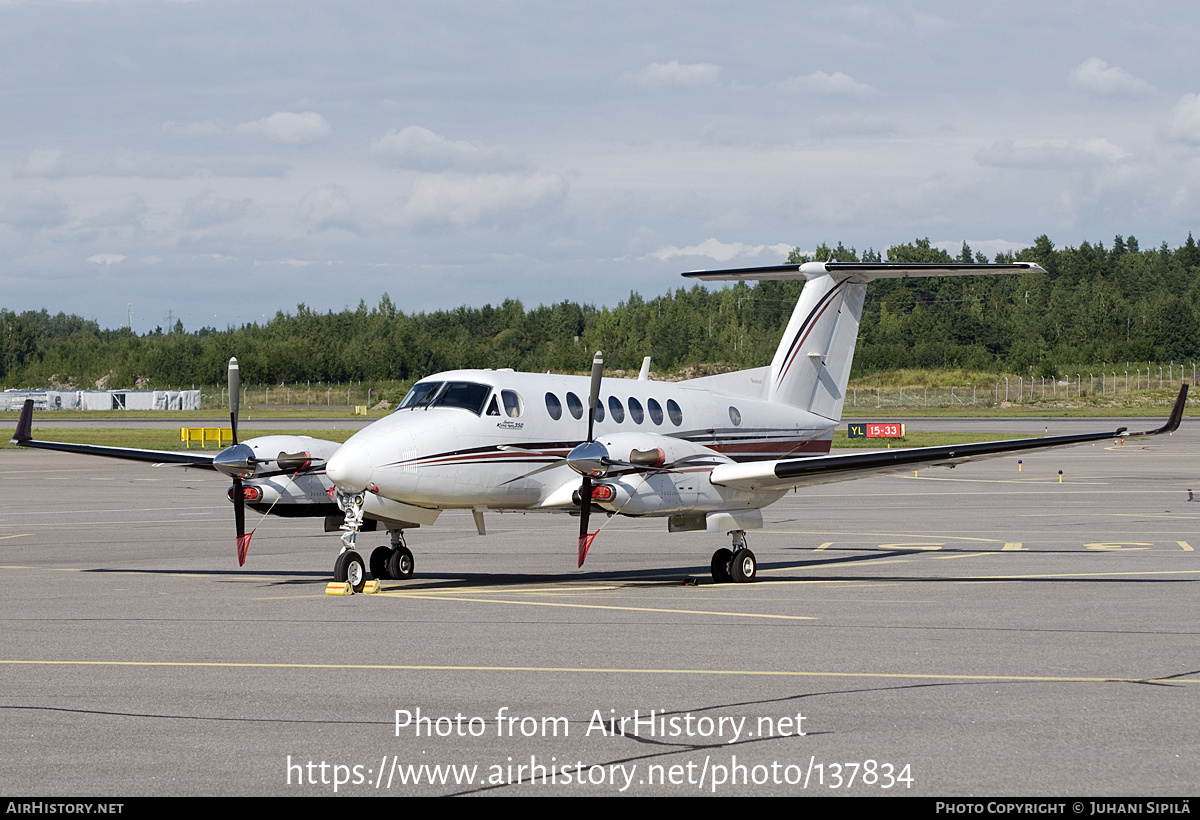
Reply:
x=662 y=476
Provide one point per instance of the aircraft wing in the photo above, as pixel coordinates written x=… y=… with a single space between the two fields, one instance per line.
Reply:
x=23 y=437
x=806 y=472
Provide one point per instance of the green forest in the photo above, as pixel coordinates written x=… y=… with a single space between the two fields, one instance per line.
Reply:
x=1094 y=304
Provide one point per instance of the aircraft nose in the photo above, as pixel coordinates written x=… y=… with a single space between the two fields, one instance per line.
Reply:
x=350 y=468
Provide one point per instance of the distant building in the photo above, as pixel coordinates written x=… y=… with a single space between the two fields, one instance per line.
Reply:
x=102 y=399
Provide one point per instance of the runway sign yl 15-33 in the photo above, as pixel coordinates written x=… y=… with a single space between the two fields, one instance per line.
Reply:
x=876 y=430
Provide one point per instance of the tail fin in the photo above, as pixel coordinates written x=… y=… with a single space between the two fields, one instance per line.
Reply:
x=812 y=364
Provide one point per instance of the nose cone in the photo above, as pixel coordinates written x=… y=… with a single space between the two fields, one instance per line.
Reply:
x=350 y=468
x=236 y=461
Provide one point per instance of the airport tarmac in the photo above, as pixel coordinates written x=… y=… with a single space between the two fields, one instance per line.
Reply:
x=976 y=631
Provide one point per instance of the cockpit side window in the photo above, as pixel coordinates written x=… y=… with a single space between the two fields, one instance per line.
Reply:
x=419 y=395
x=493 y=407
x=513 y=405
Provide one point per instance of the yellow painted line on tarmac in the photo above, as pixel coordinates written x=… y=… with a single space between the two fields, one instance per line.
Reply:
x=886 y=535
x=600 y=670
x=600 y=606
x=988 y=578
x=964 y=555
x=1185 y=545
x=1048 y=479
x=18 y=535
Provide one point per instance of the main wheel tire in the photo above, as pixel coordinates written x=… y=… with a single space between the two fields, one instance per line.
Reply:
x=720 y=566
x=744 y=566
x=379 y=561
x=349 y=568
x=400 y=564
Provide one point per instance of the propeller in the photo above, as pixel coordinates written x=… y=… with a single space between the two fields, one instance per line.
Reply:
x=238 y=454
x=589 y=458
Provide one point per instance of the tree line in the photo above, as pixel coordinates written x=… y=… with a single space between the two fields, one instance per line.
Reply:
x=1094 y=304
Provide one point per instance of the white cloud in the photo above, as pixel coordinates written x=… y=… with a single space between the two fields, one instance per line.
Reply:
x=205 y=209
x=1049 y=153
x=290 y=263
x=421 y=149
x=106 y=259
x=1098 y=77
x=1184 y=124
x=463 y=201
x=327 y=207
x=288 y=127
x=722 y=251
x=41 y=162
x=675 y=75
x=836 y=84
x=128 y=210
x=200 y=128
x=34 y=210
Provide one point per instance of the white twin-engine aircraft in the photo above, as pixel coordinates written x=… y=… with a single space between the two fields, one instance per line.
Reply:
x=706 y=454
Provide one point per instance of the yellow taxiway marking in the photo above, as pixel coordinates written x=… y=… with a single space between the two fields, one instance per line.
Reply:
x=1185 y=545
x=989 y=578
x=964 y=555
x=1046 y=479
x=824 y=546
x=603 y=670
x=393 y=594
x=1013 y=546
x=25 y=534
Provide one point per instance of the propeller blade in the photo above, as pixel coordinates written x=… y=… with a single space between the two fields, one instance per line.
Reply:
x=585 y=492
x=235 y=390
x=585 y=507
x=594 y=393
x=239 y=518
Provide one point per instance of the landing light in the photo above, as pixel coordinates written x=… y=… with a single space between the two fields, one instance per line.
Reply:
x=602 y=492
x=249 y=493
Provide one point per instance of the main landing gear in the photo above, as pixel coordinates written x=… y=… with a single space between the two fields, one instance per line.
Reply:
x=738 y=565
x=392 y=563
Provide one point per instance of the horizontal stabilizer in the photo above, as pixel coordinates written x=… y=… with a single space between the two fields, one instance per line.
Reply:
x=861 y=271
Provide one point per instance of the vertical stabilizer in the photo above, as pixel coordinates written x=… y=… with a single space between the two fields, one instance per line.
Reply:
x=812 y=365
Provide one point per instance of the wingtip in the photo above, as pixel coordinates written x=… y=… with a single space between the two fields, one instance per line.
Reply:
x=1176 y=414
x=1177 y=410
x=24 y=431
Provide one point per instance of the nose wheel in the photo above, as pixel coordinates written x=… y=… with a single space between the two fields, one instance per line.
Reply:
x=349 y=568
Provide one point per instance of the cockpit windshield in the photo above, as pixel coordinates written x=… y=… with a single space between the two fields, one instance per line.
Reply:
x=464 y=395
x=419 y=395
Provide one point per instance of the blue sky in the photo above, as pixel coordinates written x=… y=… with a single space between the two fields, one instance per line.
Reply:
x=219 y=161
